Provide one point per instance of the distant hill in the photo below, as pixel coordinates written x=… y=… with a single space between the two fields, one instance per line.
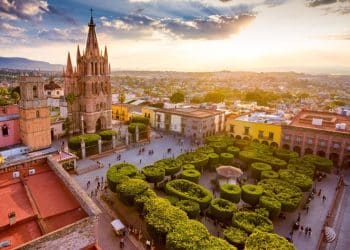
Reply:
x=27 y=64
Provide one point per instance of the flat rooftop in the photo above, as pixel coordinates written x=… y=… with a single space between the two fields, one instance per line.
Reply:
x=262 y=117
x=192 y=112
x=41 y=202
x=321 y=120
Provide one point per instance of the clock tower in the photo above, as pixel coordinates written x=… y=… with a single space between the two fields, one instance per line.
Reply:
x=34 y=113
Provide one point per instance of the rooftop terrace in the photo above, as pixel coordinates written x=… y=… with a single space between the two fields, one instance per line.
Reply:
x=262 y=117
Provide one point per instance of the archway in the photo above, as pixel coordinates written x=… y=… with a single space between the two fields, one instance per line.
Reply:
x=238 y=137
x=321 y=153
x=308 y=151
x=246 y=138
x=335 y=158
x=265 y=143
x=100 y=123
x=274 y=145
x=286 y=146
x=297 y=149
x=256 y=141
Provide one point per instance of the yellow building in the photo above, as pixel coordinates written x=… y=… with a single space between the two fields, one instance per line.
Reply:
x=120 y=112
x=149 y=112
x=258 y=126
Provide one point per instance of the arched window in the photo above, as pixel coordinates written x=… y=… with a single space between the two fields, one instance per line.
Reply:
x=5 y=130
x=35 y=92
x=96 y=69
x=37 y=114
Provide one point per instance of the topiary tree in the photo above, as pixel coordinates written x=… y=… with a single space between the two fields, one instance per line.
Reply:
x=140 y=119
x=226 y=158
x=257 y=167
x=132 y=128
x=200 y=160
x=205 y=150
x=272 y=205
x=300 y=180
x=119 y=173
x=269 y=174
x=302 y=167
x=90 y=140
x=153 y=174
x=188 y=166
x=236 y=236
x=170 y=165
x=251 y=221
x=191 y=175
x=241 y=143
x=322 y=164
x=233 y=150
x=251 y=194
x=262 y=240
x=107 y=135
x=191 y=208
x=230 y=192
x=222 y=209
x=144 y=197
x=215 y=243
x=129 y=189
x=285 y=154
x=219 y=146
x=214 y=160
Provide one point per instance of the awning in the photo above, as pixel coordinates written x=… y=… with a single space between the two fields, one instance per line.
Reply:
x=330 y=234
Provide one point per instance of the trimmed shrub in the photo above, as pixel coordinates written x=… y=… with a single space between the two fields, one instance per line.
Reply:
x=144 y=197
x=188 y=166
x=140 y=119
x=89 y=139
x=139 y=176
x=119 y=173
x=285 y=154
x=107 y=135
x=222 y=209
x=172 y=199
x=162 y=217
x=272 y=205
x=300 y=180
x=251 y=221
x=220 y=138
x=230 y=192
x=129 y=189
x=241 y=143
x=262 y=211
x=185 y=189
x=286 y=193
x=256 y=156
x=257 y=167
x=205 y=150
x=233 y=150
x=322 y=164
x=215 y=243
x=269 y=174
x=214 y=160
x=219 y=146
x=236 y=236
x=262 y=240
x=153 y=173
x=226 y=158
x=170 y=165
x=302 y=167
x=132 y=127
x=191 y=175
x=200 y=160
x=191 y=208
x=251 y=194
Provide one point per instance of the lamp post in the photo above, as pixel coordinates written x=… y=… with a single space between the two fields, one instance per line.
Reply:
x=82 y=124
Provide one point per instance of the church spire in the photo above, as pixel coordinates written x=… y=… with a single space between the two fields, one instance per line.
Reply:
x=106 y=54
x=69 y=65
x=91 y=43
x=78 y=53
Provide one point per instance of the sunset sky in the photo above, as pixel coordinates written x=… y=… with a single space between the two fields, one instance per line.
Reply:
x=185 y=35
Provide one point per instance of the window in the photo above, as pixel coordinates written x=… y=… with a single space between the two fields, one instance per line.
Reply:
x=298 y=139
x=57 y=92
x=37 y=114
x=232 y=128
x=158 y=118
x=246 y=130
x=5 y=130
x=49 y=93
x=287 y=137
x=310 y=141
x=271 y=135
x=260 y=134
x=35 y=92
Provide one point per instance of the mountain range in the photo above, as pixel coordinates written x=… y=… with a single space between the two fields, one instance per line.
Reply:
x=27 y=64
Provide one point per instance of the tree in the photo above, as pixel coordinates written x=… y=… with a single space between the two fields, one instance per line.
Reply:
x=177 y=97
x=70 y=98
x=15 y=96
x=121 y=97
x=214 y=97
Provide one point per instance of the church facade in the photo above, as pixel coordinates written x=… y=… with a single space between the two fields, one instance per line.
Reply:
x=88 y=87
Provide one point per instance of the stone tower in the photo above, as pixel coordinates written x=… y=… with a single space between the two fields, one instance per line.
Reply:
x=88 y=87
x=34 y=113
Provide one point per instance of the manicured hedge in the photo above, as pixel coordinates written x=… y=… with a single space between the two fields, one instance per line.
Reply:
x=300 y=180
x=140 y=119
x=214 y=160
x=219 y=147
x=302 y=167
x=256 y=156
x=191 y=208
x=285 y=154
x=205 y=150
x=132 y=127
x=269 y=174
x=272 y=205
x=161 y=218
x=188 y=166
x=144 y=197
x=286 y=193
x=119 y=173
x=191 y=175
x=173 y=199
x=262 y=240
x=89 y=139
x=233 y=150
x=129 y=189
x=170 y=165
x=222 y=209
x=230 y=192
x=262 y=211
x=220 y=138
x=154 y=174
x=257 y=167
x=107 y=135
x=251 y=194
x=236 y=236
x=200 y=160
x=226 y=158
x=241 y=143
x=216 y=243
x=321 y=163
x=185 y=189
x=251 y=221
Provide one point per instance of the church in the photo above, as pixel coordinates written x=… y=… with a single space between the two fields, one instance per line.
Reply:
x=88 y=87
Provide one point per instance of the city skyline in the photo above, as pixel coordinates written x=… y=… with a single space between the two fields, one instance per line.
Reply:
x=206 y=35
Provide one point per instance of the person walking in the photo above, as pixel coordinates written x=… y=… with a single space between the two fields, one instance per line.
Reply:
x=319 y=192
x=121 y=244
x=310 y=231
x=323 y=198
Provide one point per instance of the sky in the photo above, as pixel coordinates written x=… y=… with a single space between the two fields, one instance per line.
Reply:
x=185 y=35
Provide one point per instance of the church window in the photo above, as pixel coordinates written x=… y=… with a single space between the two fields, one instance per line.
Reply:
x=5 y=130
x=37 y=114
x=35 y=92
x=96 y=69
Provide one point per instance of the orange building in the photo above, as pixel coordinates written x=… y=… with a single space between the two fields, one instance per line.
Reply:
x=9 y=126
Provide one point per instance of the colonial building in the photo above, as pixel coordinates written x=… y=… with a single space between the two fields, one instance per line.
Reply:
x=34 y=114
x=322 y=133
x=9 y=126
x=88 y=87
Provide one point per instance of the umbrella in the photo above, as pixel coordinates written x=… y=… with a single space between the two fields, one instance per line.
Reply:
x=330 y=234
x=229 y=171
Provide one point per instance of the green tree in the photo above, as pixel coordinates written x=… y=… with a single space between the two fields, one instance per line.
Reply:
x=214 y=97
x=70 y=98
x=177 y=97
x=15 y=96
x=121 y=97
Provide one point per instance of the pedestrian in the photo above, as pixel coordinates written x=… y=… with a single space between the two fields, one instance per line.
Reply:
x=307 y=209
x=323 y=198
x=310 y=231
x=301 y=228
x=121 y=244
x=140 y=161
x=98 y=185
x=109 y=165
x=319 y=192
x=306 y=230
x=148 y=245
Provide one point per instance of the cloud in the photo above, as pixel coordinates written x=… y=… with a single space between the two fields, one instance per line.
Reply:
x=24 y=9
x=10 y=30
x=74 y=35
x=274 y=3
x=316 y=3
